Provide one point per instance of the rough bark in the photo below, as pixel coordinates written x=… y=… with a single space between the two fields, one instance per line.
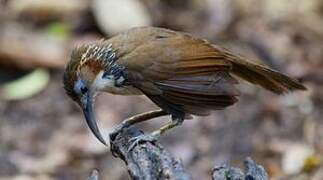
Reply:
x=147 y=160
x=252 y=172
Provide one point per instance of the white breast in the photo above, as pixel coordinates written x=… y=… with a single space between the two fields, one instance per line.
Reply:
x=108 y=85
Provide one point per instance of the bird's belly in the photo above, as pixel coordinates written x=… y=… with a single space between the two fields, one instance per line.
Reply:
x=125 y=90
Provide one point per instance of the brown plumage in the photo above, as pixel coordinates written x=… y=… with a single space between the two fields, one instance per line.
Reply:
x=181 y=74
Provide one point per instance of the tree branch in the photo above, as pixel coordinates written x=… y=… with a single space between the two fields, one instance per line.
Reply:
x=146 y=160
x=252 y=172
x=149 y=160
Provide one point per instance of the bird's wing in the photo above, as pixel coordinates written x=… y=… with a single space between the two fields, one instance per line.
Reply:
x=173 y=54
x=179 y=69
x=173 y=59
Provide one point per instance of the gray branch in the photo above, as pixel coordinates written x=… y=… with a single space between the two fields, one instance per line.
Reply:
x=146 y=160
x=252 y=172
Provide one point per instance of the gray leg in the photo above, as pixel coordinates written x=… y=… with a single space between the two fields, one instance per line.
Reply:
x=137 y=119
x=173 y=123
x=155 y=134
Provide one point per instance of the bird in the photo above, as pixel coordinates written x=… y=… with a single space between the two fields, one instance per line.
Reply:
x=182 y=74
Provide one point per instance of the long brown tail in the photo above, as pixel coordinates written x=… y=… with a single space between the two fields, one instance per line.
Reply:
x=264 y=76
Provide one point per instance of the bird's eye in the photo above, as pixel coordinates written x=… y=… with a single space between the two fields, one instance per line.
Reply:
x=84 y=90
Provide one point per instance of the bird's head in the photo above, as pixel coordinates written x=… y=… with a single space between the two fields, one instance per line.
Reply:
x=91 y=69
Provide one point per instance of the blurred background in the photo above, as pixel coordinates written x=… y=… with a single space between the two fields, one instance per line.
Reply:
x=43 y=134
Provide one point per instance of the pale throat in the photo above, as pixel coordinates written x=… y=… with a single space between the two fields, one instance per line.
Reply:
x=108 y=84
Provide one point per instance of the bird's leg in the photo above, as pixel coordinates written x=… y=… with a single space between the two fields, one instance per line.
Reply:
x=173 y=123
x=155 y=134
x=137 y=119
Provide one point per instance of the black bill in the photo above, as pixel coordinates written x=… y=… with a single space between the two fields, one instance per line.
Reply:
x=91 y=121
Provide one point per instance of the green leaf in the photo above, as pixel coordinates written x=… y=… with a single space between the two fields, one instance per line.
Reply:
x=60 y=30
x=25 y=87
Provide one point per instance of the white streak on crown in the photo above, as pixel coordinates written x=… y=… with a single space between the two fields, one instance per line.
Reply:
x=103 y=53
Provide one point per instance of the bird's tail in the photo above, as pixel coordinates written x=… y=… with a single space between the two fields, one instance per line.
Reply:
x=264 y=76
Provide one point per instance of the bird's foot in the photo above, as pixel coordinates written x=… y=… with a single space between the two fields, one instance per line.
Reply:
x=117 y=129
x=152 y=137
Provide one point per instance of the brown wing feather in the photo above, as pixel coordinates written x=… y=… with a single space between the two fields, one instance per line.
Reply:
x=203 y=92
x=169 y=54
x=262 y=75
x=175 y=55
x=215 y=85
x=162 y=59
x=192 y=77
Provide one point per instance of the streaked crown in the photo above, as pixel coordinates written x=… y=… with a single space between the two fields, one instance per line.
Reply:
x=86 y=62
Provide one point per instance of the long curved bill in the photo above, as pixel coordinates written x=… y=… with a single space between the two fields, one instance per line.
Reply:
x=91 y=121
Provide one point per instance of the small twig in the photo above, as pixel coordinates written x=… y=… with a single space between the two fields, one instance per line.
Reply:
x=252 y=172
x=147 y=160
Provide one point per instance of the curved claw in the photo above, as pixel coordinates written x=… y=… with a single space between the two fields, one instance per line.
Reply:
x=117 y=129
x=143 y=138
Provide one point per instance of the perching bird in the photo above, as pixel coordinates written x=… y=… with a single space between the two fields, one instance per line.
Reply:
x=181 y=74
